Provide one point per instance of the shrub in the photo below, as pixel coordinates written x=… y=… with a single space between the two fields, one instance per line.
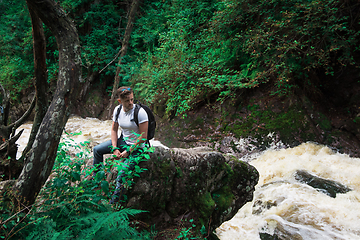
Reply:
x=71 y=205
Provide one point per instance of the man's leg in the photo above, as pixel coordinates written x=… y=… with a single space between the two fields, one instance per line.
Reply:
x=131 y=163
x=99 y=151
x=105 y=148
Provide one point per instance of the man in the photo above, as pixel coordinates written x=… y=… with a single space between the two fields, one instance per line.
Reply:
x=131 y=140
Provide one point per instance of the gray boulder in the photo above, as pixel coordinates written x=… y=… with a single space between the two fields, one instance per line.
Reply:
x=184 y=184
x=329 y=187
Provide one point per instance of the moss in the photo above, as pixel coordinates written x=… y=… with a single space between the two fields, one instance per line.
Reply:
x=94 y=98
x=357 y=121
x=206 y=205
x=260 y=122
x=165 y=168
x=179 y=172
x=223 y=198
x=324 y=122
x=198 y=122
x=229 y=173
x=253 y=107
x=220 y=200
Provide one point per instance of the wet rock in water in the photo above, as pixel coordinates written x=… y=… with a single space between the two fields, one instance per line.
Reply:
x=266 y=236
x=282 y=232
x=184 y=184
x=326 y=186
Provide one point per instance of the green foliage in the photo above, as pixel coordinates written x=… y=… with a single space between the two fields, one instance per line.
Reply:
x=291 y=38
x=183 y=52
x=178 y=69
x=130 y=174
x=101 y=225
x=16 y=61
x=185 y=233
x=72 y=205
x=215 y=48
x=100 y=25
x=260 y=123
x=123 y=166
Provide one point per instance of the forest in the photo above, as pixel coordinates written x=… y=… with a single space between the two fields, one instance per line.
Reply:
x=178 y=56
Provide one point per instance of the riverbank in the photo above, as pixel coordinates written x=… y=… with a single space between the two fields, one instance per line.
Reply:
x=281 y=204
x=255 y=118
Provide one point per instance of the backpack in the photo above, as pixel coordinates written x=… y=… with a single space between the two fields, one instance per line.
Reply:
x=151 y=118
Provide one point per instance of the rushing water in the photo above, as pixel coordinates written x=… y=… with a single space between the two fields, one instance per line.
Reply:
x=299 y=211
x=91 y=129
x=280 y=202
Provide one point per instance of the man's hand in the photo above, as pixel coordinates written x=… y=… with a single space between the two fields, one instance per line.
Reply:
x=117 y=154
x=124 y=154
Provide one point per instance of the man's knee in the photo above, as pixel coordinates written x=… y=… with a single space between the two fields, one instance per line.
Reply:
x=98 y=154
x=96 y=149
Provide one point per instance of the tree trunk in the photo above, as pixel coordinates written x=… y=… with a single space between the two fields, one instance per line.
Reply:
x=10 y=167
x=41 y=84
x=40 y=158
x=84 y=90
x=5 y=105
x=8 y=131
x=125 y=45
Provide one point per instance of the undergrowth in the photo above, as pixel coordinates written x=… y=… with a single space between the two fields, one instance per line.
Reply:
x=72 y=204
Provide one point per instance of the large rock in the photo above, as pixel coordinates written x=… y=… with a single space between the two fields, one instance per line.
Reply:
x=329 y=187
x=198 y=184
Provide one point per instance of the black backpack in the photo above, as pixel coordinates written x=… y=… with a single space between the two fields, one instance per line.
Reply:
x=151 y=117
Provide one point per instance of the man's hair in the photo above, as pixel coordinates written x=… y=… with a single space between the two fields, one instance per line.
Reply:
x=124 y=91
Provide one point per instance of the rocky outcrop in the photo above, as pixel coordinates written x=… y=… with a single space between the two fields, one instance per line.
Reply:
x=184 y=184
x=329 y=187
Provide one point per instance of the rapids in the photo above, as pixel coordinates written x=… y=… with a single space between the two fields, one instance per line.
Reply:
x=92 y=129
x=297 y=210
x=281 y=204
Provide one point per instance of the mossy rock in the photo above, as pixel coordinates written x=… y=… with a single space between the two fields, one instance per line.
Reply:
x=196 y=184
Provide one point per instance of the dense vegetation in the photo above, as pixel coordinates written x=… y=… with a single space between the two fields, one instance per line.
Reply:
x=219 y=47
x=72 y=205
x=184 y=52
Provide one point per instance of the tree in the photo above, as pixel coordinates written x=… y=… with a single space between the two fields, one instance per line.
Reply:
x=39 y=158
x=213 y=50
x=9 y=166
x=41 y=84
x=123 y=50
x=15 y=48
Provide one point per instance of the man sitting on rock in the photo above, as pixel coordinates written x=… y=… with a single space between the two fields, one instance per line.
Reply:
x=131 y=140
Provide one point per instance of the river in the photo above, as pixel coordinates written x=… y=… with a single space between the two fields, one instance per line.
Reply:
x=92 y=129
x=280 y=202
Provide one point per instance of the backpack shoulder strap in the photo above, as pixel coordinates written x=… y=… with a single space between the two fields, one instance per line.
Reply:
x=136 y=113
x=117 y=113
x=136 y=118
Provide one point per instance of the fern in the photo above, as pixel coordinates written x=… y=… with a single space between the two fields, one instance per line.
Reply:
x=101 y=225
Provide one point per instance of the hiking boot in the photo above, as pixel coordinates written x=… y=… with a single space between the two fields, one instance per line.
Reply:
x=117 y=195
x=114 y=199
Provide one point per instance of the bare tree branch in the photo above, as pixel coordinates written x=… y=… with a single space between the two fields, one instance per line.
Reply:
x=125 y=45
x=23 y=118
x=40 y=82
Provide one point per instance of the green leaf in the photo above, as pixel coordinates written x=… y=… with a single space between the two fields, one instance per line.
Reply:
x=75 y=176
x=105 y=187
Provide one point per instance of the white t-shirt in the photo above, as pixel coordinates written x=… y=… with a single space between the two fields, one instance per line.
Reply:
x=127 y=123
